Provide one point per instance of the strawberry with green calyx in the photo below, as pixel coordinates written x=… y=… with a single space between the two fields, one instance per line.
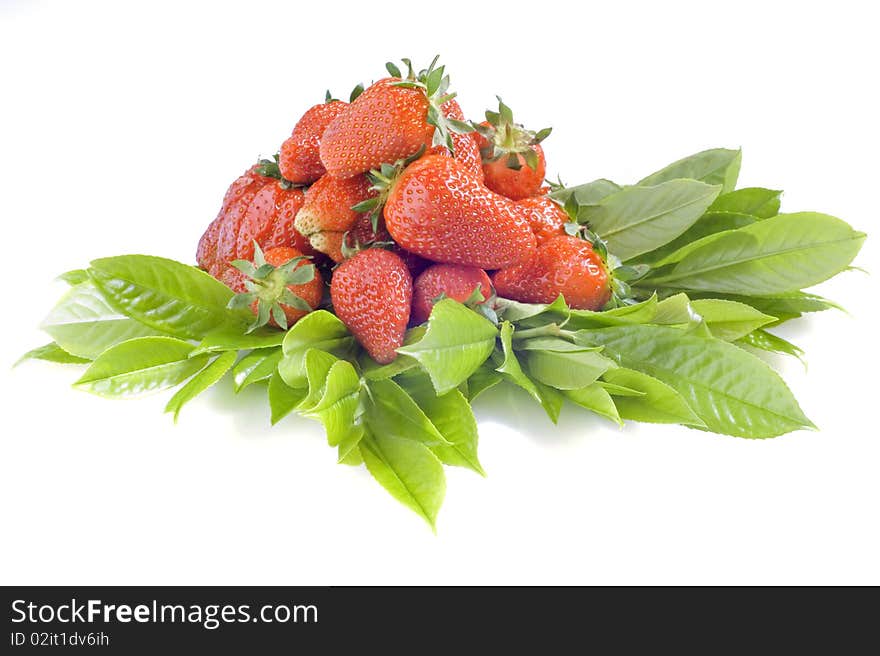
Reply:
x=546 y=218
x=300 y=159
x=282 y=287
x=437 y=210
x=371 y=294
x=565 y=265
x=468 y=285
x=330 y=210
x=513 y=159
x=391 y=120
x=467 y=145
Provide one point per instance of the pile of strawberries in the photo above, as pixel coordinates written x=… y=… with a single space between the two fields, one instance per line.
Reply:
x=395 y=201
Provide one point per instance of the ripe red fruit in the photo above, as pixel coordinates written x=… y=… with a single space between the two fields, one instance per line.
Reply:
x=513 y=160
x=300 y=158
x=452 y=280
x=438 y=210
x=515 y=183
x=372 y=293
x=291 y=288
x=209 y=254
x=283 y=232
x=467 y=147
x=384 y=124
x=562 y=265
x=545 y=217
x=326 y=214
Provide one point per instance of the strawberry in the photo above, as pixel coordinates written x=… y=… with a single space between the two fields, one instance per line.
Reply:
x=372 y=293
x=513 y=160
x=239 y=194
x=546 y=218
x=460 y=283
x=561 y=265
x=438 y=210
x=467 y=146
x=390 y=121
x=327 y=214
x=283 y=232
x=281 y=286
x=300 y=160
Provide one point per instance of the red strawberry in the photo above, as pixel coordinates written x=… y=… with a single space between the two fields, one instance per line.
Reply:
x=227 y=238
x=436 y=209
x=467 y=146
x=300 y=160
x=545 y=217
x=453 y=280
x=513 y=160
x=256 y=224
x=384 y=124
x=283 y=232
x=561 y=265
x=391 y=121
x=282 y=296
x=326 y=214
x=206 y=254
x=372 y=294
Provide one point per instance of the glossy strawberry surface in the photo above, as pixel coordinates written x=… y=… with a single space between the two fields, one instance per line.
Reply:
x=326 y=213
x=546 y=218
x=372 y=294
x=311 y=292
x=516 y=184
x=384 y=124
x=562 y=265
x=451 y=280
x=467 y=148
x=437 y=210
x=300 y=157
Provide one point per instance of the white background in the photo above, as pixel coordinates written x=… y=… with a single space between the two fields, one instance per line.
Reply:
x=122 y=125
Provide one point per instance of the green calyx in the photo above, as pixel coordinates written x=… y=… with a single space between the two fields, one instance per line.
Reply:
x=271 y=169
x=382 y=180
x=620 y=276
x=508 y=139
x=267 y=285
x=434 y=82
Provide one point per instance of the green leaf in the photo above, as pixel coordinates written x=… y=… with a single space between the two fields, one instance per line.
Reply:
x=139 y=366
x=657 y=403
x=457 y=342
x=732 y=391
x=516 y=311
x=339 y=402
x=74 y=277
x=372 y=370
x=779 y=305
x=637 y=220
x=317 y=367
x=595 y=398
x=166 y=295
x=568 y=369
x=782 y=254
x=729 y=320
x=510 y=368
x=718 y=166
x=767 y=341
x=675 y=310
x=482 y=379
x=233 y=340
x=348 y=451
x=390 y=410
x=586 y=194
x=84 y=324
x=320 y=330
x=203 y=380
x=451 y=414
x=256 y=367
x=410 y=472
x=711 y=223
x=283 y=398
x=51 y=352
x=754 y=201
